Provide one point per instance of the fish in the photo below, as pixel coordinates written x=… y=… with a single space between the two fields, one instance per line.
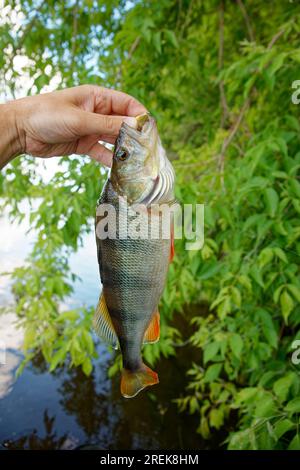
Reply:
x=133 y=269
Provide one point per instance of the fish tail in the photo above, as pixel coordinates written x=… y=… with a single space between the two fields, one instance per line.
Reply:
x=132 y=382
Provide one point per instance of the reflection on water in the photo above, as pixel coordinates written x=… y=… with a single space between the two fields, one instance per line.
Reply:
x=48 y=442
x=66 y=409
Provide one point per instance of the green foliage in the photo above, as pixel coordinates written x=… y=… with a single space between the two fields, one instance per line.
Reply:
x=226 y=117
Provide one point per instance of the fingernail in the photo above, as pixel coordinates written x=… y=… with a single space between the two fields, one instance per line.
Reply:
x=131 y=121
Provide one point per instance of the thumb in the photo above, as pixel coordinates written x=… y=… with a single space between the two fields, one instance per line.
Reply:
x=93 y=123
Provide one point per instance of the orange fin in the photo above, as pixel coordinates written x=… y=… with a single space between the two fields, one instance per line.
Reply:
x=133 y=382
x=172 y=249
x=153 y=331
x=103 y=325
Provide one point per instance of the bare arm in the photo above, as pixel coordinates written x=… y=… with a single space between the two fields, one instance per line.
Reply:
x=65 y=122
x=9 y=142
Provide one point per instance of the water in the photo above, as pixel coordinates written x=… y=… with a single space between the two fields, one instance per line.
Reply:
x=66 y=409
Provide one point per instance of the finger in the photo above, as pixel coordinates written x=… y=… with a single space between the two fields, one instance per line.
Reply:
x=108 y=101
x=100 y=153
x=92 y=123
x=110 y=139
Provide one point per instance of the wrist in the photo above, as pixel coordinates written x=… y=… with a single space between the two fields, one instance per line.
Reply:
x=11 y=141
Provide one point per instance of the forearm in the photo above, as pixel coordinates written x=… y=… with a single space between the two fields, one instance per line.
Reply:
x=9 y=141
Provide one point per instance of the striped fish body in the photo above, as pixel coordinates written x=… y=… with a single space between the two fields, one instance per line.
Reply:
x=133 y=273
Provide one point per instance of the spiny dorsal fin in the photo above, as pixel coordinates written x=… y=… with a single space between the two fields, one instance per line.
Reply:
x=103 y=325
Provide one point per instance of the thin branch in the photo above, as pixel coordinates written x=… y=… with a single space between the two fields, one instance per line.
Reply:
x=223 y=102
x=131 y=51
x=187 y=18
x=178 y=14
x=247 y=19
x=275 y=39
x=133 y=47
x=230 y=137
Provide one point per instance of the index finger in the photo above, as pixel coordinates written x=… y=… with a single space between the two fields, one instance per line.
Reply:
x=116 y=102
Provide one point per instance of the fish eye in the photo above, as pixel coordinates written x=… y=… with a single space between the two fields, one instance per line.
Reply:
x=122 y=154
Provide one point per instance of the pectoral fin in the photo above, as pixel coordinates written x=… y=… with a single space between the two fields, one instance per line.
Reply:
x=103 y=325
x=153 y=331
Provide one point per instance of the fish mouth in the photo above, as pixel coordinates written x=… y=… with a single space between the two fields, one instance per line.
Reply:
x=145 y=125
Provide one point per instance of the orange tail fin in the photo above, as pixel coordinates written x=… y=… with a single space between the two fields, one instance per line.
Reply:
x=133 y=382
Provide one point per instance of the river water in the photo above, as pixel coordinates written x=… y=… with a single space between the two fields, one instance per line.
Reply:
x=66 y=409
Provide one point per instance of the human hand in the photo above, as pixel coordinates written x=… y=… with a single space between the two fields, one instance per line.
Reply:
x=72 y=121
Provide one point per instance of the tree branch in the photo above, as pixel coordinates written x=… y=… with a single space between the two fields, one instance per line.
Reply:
x=247 y=19
x=223 y=102
x=230 y=137
x=275 y=39
x=133 y=47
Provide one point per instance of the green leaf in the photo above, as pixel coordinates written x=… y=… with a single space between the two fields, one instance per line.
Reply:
x=240 y=440
x=224 y=307
x=236 y=296
x=210 y=351
x=282 y=386
x=277 y=63
x=265 y=407
x=236 y=344
x=194 y=406
x=295 y=186
x=280 y=254
x=247 y=395
x=268 y=327
x=58 y=358
x=216 y=418
x=295 y=443
x=209 y=269
x=287 y=305
x=212 y=372
x=282 y=427
x=257 y=276
x=295 y=291
x=271 y=201
x=157 y=41
x=71 y=315
x=293 y=406
x=170 y=35
x=277 y=293
x=88 y=341
x=266 y=256
x=87 y=366
x=29 y=337
x=203 y=428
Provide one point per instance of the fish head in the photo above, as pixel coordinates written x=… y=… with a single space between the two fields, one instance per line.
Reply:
x=137 y=159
